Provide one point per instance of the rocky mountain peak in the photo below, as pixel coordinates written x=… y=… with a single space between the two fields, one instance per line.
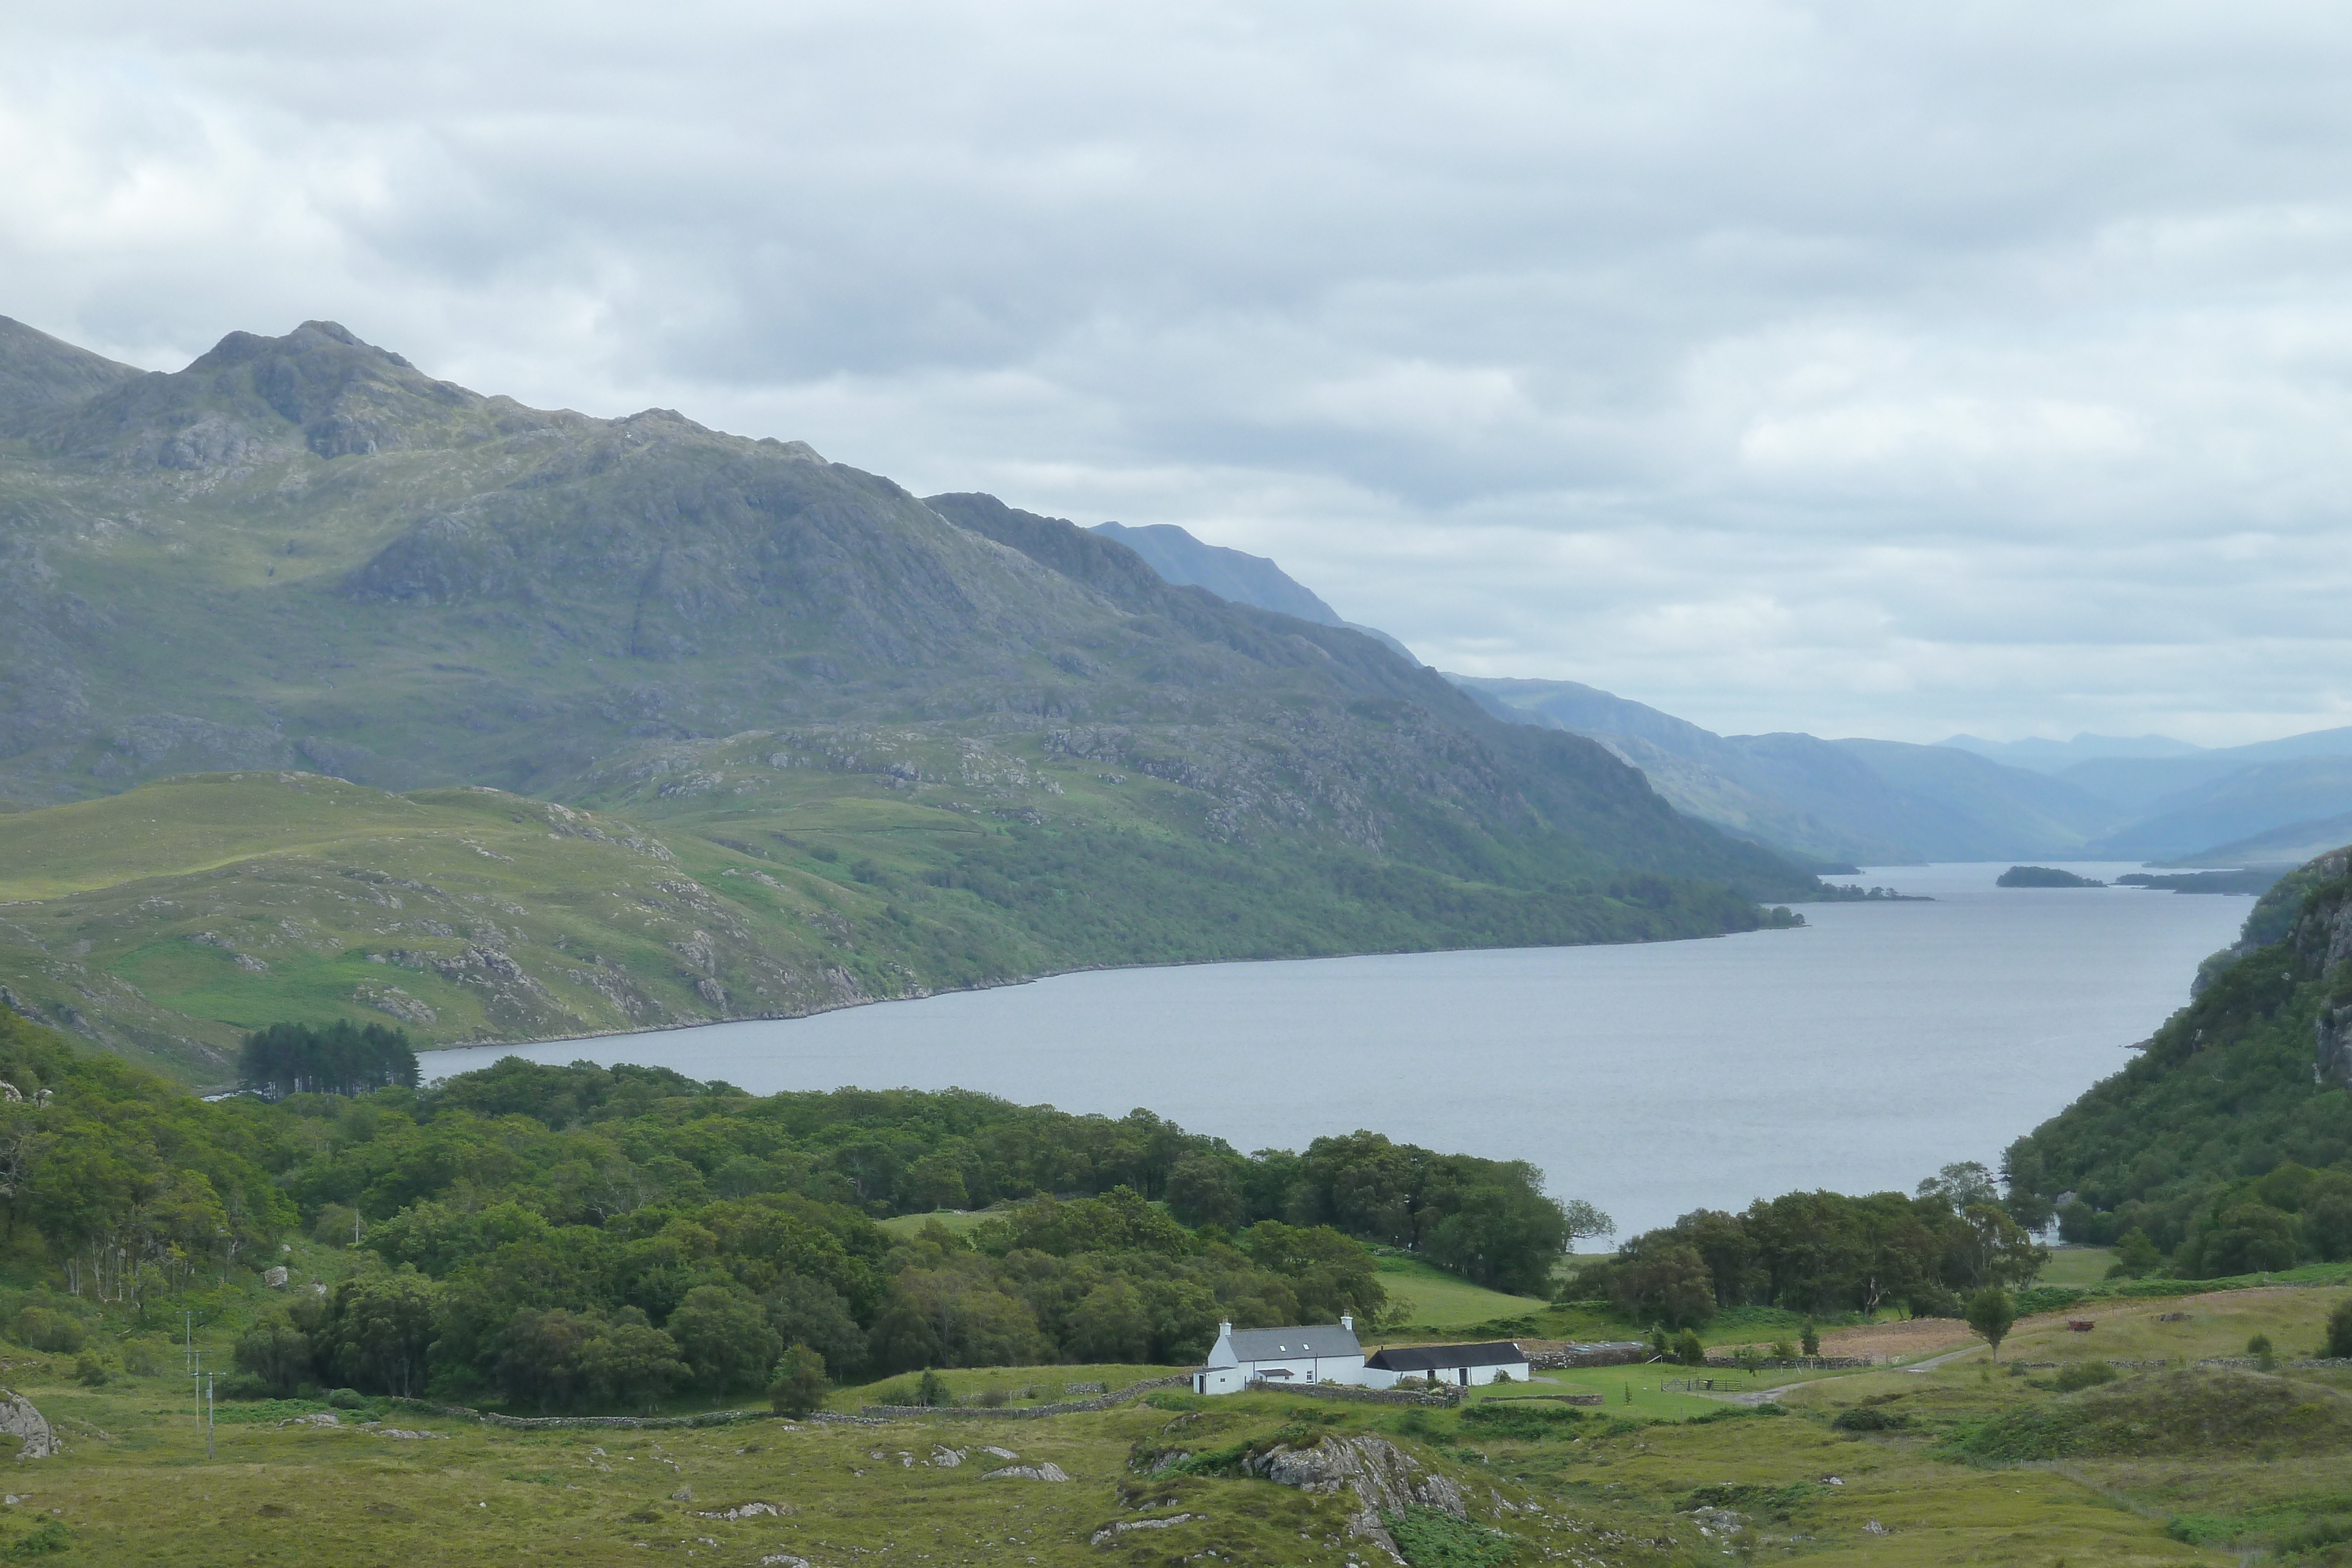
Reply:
x=252 y=400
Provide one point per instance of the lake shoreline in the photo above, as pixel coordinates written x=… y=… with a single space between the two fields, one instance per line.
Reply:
x=1650 y=1078
x=425 y=1052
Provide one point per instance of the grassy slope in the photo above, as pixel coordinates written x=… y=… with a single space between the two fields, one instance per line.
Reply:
x=136 y=1485
x=1424 y=1296
x=176 y=916
x=165 y=920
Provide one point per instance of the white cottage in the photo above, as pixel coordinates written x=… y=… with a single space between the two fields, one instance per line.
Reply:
x=1466 y=1364
x=1323 y=1352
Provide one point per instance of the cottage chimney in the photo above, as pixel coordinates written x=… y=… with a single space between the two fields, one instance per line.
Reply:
x=1347 y=1322
x=1225 y=1329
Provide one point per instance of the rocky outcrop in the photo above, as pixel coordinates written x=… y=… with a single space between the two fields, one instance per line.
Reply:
x=1044 y=1471
x=1384 y=1478
x=2333 y=1060
x=19 y=1420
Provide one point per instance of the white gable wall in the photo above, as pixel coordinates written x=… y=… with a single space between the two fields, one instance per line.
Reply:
x=1225 y=1372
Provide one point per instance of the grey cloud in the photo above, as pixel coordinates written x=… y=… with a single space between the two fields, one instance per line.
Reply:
x=1839 y=366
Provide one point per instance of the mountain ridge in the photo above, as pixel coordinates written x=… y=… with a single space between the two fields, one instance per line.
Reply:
x=305 y=555
x=1876 y=802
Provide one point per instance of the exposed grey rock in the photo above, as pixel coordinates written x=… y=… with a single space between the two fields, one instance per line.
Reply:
x=748 y=1510
x=1717 y=1521
x=1039 y=1472
x=20 y=1420
x=2334 y=1060
x=393 y=1000
x=1384 y=1478
x=275 y=1277
x=1112 y=1531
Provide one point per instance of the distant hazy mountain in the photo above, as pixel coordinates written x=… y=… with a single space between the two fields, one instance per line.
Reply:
x=1855 y=800
x=2290 y=845
x=1234 y=576
x=2246 y=802
x=2050 y=756
x=1230 y=574
x=1886 y=802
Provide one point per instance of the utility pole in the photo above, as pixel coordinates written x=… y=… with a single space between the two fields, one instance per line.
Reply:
x=210 y=1408
x=196 y=1377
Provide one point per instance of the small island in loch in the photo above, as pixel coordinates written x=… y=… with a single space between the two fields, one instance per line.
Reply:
x=2043 y=876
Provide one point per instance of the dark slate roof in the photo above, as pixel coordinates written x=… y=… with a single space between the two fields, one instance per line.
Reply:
x=1445 y=1358
x=1325 y=1340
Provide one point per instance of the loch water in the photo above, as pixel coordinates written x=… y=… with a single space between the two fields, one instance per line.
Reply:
x=1860 y=1053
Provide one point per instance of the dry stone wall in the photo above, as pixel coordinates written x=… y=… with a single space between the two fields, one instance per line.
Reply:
x=1026 y=1412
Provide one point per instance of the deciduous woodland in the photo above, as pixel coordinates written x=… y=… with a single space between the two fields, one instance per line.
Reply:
x=568 y=1237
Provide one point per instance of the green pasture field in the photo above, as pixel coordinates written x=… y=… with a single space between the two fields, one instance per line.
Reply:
x=974 y=1385
x=1439 y=1300
x=1616 y=1484
x=2076 y=1266
x=956 y=1221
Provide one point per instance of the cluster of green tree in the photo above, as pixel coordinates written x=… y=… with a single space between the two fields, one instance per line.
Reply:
x=2219 y=1150
x=712 y=1295
x=134 y=1188
x=1489 y=1220
x=341 y=1058
x=1823 y=1252
x=893 y=1152
x=2290 y=1215
x=566 y=1236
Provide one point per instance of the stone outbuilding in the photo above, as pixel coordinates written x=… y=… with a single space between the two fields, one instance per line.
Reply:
x=1466 y=1366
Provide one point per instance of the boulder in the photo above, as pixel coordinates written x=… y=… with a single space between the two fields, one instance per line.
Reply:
x=19 y=1420
x=1384 y=1478
x=275 y=1277
x=1043 y=1472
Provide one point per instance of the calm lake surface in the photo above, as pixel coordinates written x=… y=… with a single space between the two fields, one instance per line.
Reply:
x=1860 y=1054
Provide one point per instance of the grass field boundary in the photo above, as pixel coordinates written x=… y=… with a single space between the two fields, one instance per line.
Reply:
x=702 y=1418
x=1032 y=1412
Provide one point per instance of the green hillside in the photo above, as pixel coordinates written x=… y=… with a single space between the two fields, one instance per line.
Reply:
x=859 y=745
x=2226 y=1143
x=166 y=921
x=558 y=1243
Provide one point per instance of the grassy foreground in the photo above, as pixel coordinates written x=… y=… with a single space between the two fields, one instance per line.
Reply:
x=2159 y=1465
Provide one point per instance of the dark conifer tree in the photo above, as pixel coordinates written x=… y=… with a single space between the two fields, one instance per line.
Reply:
x=342 y=1059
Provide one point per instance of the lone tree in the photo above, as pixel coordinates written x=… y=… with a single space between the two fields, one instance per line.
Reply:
x=800 y=1385
x=341 y=1058
x=1585 y=1222
x=2339 y=1330
x=1992 y=1312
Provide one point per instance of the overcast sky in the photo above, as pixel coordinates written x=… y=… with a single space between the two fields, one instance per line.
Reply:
x=1875 y=369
